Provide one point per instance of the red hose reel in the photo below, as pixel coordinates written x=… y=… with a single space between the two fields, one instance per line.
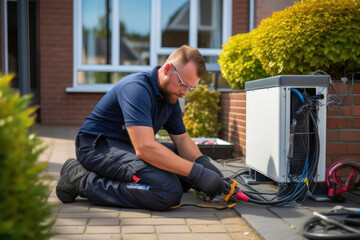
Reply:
x=342 y=176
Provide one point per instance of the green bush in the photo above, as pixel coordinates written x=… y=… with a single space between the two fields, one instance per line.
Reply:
x=201 y=115
x=23 y=206
x=310 y=35
x=237 y=61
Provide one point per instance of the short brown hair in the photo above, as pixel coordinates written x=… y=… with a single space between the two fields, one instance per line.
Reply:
x=185 y=54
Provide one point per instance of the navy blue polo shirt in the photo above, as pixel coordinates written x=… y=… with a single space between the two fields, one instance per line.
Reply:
x=134 y=101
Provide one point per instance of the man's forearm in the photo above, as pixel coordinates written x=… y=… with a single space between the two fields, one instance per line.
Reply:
x=186 y=147
x=161 y=157
x=157 y=154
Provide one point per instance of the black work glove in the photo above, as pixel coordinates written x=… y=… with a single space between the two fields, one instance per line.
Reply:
x=208 y=181
x=205 y=161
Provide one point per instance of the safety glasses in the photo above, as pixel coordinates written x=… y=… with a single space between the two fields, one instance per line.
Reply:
x=182 y=84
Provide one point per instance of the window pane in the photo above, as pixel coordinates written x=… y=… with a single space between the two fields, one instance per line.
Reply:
x=211 y=59
x=175 y=22
x=96 y=28
x=215 y=81
x=210 y=24
x=222 y=83
x=100 y=77
x=134 y=32
x=162 y=59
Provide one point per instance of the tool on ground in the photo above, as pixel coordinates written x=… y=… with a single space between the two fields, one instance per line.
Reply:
x=229 y=197
x=335 y=174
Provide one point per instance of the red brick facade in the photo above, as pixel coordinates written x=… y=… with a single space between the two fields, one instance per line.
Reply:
x=240 y=16
x=343 y=128
x=56 y=67
x=233 y=116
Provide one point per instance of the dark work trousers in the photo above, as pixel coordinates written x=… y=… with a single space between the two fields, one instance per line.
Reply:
x=119 y=178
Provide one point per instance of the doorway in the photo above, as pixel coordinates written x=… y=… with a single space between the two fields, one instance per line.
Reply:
x=9 y=45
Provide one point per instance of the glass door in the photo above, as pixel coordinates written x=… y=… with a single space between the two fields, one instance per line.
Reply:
x=9 y=45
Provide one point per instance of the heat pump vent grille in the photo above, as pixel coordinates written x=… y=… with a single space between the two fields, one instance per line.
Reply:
x=303 y=136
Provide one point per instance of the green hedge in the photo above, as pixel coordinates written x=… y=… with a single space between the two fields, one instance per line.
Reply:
x=310 y=35
x=202 y=109
x=237 y=61
x=24 y=210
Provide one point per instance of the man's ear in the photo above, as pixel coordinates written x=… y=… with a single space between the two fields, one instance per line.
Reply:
x=167 y=67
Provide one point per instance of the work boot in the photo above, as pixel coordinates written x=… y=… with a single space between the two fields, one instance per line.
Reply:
x=72 y=181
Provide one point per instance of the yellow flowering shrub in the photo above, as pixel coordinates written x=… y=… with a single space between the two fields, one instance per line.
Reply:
x=202 y=109
x=237 y=61
x=310 y=35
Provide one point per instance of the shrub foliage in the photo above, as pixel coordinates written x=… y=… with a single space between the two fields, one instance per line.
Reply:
x=310 y=35
x=201 y=115
x=23 y=206
x=238 y=62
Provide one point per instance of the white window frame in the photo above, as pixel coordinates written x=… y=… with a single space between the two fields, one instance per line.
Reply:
x=155 y=43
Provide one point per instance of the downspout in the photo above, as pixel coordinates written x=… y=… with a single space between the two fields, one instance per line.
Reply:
x=251 y=14
x=23 y=46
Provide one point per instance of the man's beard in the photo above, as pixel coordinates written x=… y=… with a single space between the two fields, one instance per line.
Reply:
x=170 y=98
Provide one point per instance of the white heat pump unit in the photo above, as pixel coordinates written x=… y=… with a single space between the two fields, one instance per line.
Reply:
x=271 y=105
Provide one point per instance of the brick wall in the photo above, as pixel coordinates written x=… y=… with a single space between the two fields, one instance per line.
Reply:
x=240 y=16
x=343 y=128
x=56 y=67
x=233 y=116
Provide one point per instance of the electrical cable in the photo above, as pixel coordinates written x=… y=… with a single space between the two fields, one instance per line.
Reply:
x=336 y=97
x=203 y=206
x=337 y=224
x=298 y=93
x=334 y=182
